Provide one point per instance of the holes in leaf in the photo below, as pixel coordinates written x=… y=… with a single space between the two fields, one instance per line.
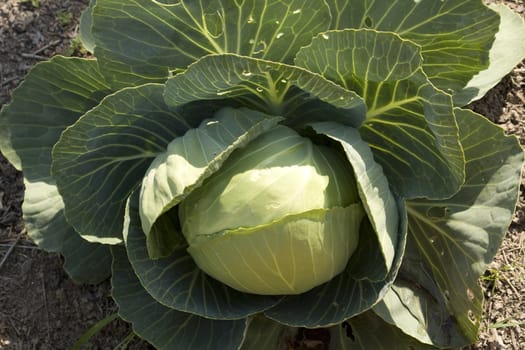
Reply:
x=214 y=24
x=472 y=317
x=348 y=330
x=259 y=48
x=432 y=239
x=166 y=2
x=470 y=294
x=223 y=92
x=446 y=294
x=438 y=212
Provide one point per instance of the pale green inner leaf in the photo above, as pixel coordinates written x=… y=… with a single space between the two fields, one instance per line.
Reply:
x=190 y=159
x=374 y=190
x=288 y=256
x=341 y=298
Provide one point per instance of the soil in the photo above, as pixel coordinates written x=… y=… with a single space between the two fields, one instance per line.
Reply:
x=41 y=308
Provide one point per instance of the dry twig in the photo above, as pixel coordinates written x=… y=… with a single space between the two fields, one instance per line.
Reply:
x=507 y=280
x=36 y=57
x=4 y=259
x=53 y=43
x=7 y=81
x=45 y=306
x=35 y=54
x=20 y=246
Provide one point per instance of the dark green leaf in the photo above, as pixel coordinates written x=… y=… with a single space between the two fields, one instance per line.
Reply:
x=166 y=37
x=104 y=156
x=437 y=298
x=502 y=59
x=53 y=96
x=177 y=282
x=165 y=328
x=354 y=57
x=455 y=35
x=85 y=262
x=409 y=124
x=368 y=331
x=263 y=84
x=84 y=30
x=264 y=333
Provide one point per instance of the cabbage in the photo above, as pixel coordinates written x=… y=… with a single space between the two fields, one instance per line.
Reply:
x=248 y=170
x=274 y=219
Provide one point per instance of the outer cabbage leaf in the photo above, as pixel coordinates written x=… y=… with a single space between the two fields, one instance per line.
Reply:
x=47 y=226
x=363 y=332
x=85 y=262
x=178 y=283
x=163 y=37
x=264 y=333
x=258 y=83
x=409 y=124
x=416 y=305
x=100 y=159
x=84 y=31
x=165 y=328
x=508 y=50
x=455 y=35
x=368 y=331
x=189 y=160
x=354 y=57
x=53 y=96
x=436 y=297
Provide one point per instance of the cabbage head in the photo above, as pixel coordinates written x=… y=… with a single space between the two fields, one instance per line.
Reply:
x=281 y=216
x=275 y=174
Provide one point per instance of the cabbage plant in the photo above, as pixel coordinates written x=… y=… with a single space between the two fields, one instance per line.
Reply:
x=275 y=174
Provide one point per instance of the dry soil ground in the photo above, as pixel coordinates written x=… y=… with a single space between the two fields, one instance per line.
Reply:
x=40 y=308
